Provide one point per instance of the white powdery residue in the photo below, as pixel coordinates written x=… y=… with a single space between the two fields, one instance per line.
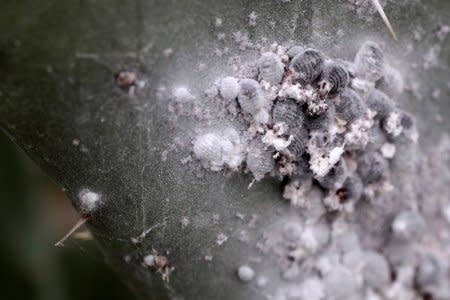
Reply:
x=275 y=137
x=221 y=239
x=88 y=199
x=322 y=160
x=333 y=202
x=393 y=124
x=446 y=213
x=149 y=260
x=431 y=58
x=217 y=150
x=297 y=192
x=184 y=222
x=388 y=150
x=208 y=257
x=293 y=91
x=182 y=95
x=357 y=136
x=168 y=52
x=443 y=32
x=312 y=289
x=252 y=19
x=361 y=86
x=245 y=273
x=242 y=39
x=218 y=22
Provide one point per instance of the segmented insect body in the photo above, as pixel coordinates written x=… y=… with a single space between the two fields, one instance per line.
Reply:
x=250 y=96
x=302 y=167
x=369 y=61
x=270 y=68
x=376 y=271
x=308 y=65
x=428 y=271
x=299 y=142
x=287 y=111
x=260 y=159
x=377 y=138
x=207 y=148
x=380 y=103
x=371 y=166
x=341 y=282
x=350 y=106
x=349 y=66
x=391 y=83
x=322 y=121
x=229 y=88
x=336 y=176
x=333 y=80
x=294 y=51
x=408 y=225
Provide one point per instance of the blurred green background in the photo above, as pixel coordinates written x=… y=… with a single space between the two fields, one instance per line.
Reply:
x=36 y=214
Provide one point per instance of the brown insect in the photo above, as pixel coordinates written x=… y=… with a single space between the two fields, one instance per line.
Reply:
x=125 y=79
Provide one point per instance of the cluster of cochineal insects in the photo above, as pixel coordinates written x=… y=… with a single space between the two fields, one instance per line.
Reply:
x=313 y=120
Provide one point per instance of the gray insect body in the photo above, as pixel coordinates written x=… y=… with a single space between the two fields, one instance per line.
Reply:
x=380 y=103
x=349 y=107
x=376 y=269
x=321 y=121
x=371 y=167
x=299 y=142
x=294 y=51
x=260 y=160
x=391 y=83
x=377 y=138
x=341 y=283
x=270 y=68
x=428 y=271
x=250 y=96
x=334 y=79
x=229 y=88
x=408 y=225
x=369 y=61
x=308 y=65
x=288 y=112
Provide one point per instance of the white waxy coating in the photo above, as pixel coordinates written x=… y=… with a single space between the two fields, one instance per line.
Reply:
x=182 y=95
x=388 y=150
x=218 y=150
x=245 y=273
x=312 y=289
x=229 y=88
x=341 y=283
x=149 y=260
x=321 y=163
x=393 y=124
x=88 y=199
